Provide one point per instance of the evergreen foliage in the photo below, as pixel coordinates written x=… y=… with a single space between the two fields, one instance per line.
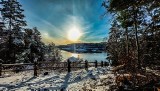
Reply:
x=17 y=43
x=135 y=37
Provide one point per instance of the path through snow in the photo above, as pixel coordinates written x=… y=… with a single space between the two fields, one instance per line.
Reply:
x=98 y=79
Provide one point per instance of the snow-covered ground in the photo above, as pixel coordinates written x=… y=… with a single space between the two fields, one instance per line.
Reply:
x=97 y=79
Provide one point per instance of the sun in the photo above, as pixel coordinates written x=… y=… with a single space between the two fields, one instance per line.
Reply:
x=74 y=34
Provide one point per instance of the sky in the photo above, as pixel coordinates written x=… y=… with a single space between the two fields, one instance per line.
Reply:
x=55 y=18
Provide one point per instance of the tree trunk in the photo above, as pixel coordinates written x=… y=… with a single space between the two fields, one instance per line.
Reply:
x=127 y=42
x=136 y=35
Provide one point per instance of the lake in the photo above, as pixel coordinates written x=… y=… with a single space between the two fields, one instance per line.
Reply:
x=85 y=56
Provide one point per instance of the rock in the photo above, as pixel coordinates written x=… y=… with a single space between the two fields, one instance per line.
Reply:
x=93 y=78
x=46 y=73
x=29 y=84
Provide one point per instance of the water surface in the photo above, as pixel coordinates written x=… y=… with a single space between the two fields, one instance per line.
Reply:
x=85 y=56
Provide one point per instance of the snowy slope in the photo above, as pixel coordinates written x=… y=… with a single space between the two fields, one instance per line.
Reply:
x=97 y=79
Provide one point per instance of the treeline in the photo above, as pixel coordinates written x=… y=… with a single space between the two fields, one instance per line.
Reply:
x=134 y=36
x=19 y=44
x=83 y=47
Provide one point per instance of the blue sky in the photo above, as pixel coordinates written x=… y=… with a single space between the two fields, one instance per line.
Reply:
x=54 y=18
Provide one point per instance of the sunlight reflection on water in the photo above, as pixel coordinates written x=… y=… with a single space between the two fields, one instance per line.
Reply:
x=75 y=55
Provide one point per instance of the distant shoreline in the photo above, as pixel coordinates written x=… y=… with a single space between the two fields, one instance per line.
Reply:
x=71 y=51
x=83 y=47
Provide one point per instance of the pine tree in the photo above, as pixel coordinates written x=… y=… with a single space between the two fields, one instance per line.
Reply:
x=130 y=12
x=142 y=18
x=14 y=21
x=19 y=44
x=3 y=40
x=33 y=44
x=112 y=44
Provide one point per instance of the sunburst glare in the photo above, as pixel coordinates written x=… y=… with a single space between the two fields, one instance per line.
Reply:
x=74 y=34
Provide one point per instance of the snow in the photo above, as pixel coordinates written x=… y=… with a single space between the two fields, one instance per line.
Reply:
x=73 y=59
x=17 y=41
x=98 y=79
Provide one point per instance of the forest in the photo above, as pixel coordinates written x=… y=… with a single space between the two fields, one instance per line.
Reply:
x=133 y=44
x=19 y=44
